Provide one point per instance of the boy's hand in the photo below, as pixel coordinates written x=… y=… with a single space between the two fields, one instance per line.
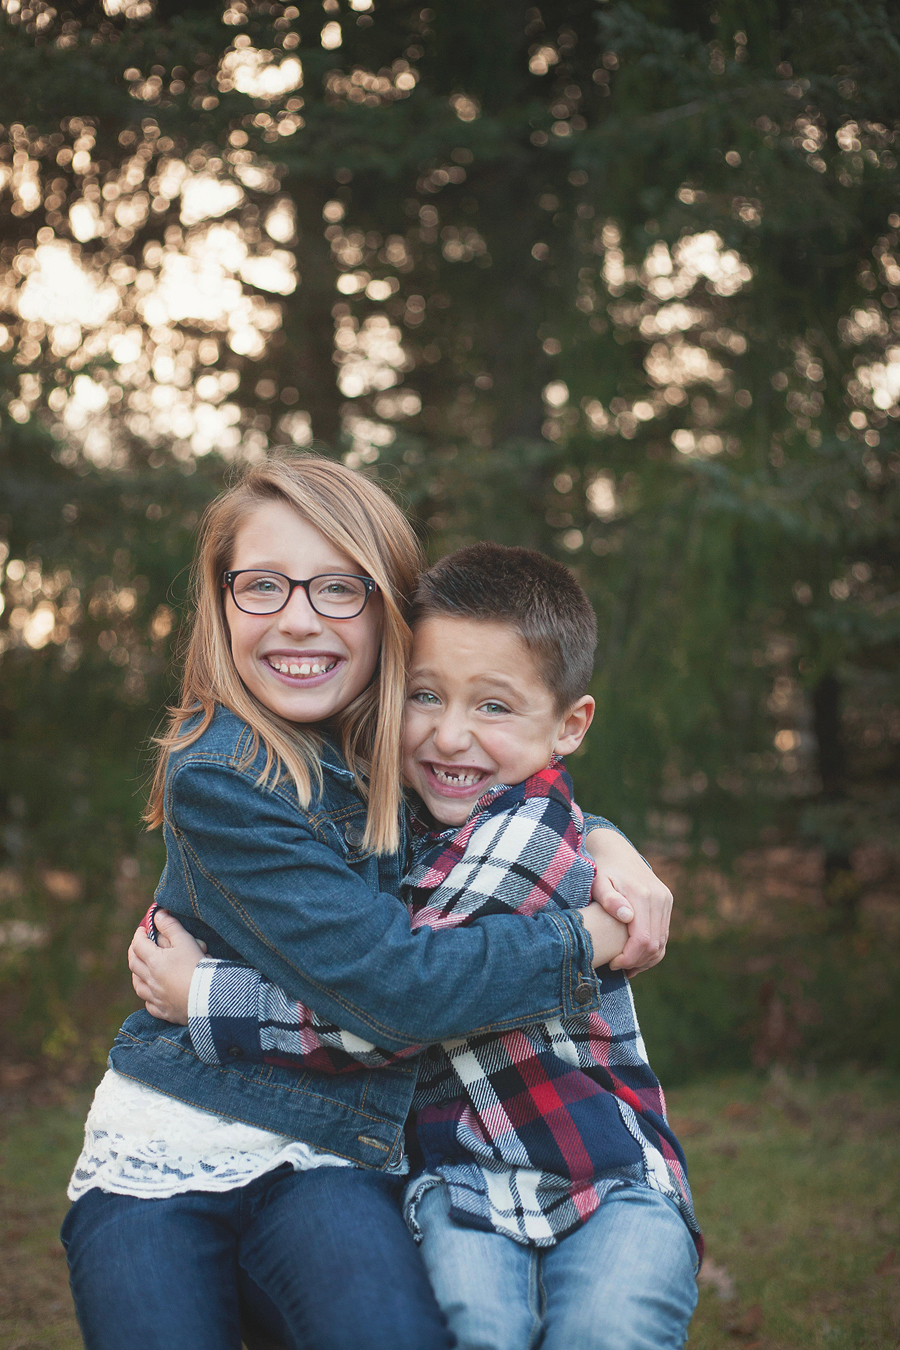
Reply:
x=161 y=974
x=630 y=891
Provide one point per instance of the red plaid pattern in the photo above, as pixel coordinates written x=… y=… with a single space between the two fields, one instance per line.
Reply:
x=529 y=1129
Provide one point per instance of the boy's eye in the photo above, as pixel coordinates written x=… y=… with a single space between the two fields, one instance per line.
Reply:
x=494 y=708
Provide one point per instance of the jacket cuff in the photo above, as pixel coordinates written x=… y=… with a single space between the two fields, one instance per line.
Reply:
x=223 y=1012
x=581 y=988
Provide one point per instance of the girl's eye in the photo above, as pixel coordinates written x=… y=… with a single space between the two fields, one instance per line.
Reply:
x=424 y=698
x=263 y=586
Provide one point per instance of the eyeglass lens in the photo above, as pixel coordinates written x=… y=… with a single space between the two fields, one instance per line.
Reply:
x=267 y=592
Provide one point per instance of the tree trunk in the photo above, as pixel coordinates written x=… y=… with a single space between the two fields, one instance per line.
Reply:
x=842 y=887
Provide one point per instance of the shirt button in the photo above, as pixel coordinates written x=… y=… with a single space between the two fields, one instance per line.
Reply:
x=583 y=993
x=354 y=835
x=235 y=1051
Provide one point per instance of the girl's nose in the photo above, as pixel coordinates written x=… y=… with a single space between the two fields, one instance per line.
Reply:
x=298 y=617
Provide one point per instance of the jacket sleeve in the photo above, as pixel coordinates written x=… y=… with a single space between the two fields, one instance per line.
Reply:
x=592 y=822
x=293 y=909
x=233 y=1008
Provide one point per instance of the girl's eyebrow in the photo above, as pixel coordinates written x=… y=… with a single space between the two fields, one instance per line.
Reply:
x=279 y=567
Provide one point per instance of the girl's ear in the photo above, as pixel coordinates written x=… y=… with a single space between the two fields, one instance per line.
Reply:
x=574 y=724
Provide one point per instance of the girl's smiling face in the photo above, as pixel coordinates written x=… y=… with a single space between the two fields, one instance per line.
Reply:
x=341 y=653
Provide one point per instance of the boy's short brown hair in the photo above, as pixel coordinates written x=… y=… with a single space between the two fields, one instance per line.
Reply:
x=534 y=594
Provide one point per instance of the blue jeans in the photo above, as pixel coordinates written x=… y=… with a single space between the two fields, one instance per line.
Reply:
x=321 y=1260
x=625 y=1280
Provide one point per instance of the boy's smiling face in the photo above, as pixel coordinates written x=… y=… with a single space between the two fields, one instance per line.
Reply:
x=478 y=712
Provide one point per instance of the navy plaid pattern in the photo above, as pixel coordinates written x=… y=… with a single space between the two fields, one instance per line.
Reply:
x=530 y=1129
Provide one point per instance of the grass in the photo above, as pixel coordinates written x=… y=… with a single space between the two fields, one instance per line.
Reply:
x=797 y=1188
x=40 y=1141
x=796 y=1184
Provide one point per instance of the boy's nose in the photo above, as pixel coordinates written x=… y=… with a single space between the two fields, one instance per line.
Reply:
x=451 y=735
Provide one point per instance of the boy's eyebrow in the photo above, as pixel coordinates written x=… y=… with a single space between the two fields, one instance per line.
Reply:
x=486 y=678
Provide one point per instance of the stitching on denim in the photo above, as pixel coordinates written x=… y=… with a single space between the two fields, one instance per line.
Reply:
x=367 y=1018
x=337 y=1153
x=372 y=1023
x=297 y=1088
x=188 y=878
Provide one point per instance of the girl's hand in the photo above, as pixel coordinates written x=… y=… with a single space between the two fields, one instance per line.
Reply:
x=631 y=892
x=161 y=974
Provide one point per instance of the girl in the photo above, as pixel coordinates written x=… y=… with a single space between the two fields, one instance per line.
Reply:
x=203 y=1189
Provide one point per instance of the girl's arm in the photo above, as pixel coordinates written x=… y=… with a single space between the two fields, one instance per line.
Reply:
x=232 y=1010
x=628 y=889
x=228 y=1006
x=293 y=909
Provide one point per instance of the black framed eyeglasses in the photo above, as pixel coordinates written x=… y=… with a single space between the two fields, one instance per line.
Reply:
x=333 y=595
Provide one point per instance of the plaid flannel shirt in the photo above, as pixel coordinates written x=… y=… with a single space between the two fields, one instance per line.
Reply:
x=530 y=1129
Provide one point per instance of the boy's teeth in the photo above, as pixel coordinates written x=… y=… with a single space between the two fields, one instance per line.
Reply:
x=458 y=779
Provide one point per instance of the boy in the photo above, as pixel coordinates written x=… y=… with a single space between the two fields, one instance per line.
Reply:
x=526 y=1136
x=549 y=1193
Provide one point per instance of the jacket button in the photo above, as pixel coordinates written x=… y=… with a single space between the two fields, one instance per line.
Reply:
x=354 y=835
x=583 y=992
x=235 y=1051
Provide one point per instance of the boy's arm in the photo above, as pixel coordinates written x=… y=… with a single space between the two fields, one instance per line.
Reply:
x=627 y=889
x=233 y=1013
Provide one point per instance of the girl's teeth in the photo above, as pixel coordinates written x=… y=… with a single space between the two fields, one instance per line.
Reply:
x=307 y=668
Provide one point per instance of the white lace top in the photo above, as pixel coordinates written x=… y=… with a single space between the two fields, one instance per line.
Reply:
x=138 y=1141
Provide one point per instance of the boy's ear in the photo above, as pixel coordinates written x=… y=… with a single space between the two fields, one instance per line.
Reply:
x=574 y=724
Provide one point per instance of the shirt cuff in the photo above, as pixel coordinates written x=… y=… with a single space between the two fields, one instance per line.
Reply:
x=223 y=1012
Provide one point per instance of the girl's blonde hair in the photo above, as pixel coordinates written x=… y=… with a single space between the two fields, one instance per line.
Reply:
x=358 y=518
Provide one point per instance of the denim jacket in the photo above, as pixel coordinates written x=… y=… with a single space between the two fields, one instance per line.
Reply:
x=292 y=893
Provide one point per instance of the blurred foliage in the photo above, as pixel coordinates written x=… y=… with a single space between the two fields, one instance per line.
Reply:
x=616 y=281
x=721 y=1005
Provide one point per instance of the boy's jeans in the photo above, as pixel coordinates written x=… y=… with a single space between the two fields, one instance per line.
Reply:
x=625 y=1280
